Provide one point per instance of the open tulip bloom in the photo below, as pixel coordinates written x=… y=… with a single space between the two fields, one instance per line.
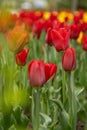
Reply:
x=60 y=39
x=21 y=57
x=39 y=72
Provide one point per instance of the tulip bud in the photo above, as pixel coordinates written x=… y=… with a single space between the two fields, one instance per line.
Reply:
x=21 y=57
x=36 y=72
x=49 y=37
x=69 y=59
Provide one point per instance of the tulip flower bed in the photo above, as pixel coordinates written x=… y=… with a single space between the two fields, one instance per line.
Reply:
x=43 y=70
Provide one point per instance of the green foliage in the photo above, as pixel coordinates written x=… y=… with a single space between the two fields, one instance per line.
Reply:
x=67 y=4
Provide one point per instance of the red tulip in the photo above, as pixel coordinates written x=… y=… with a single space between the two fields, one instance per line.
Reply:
x=75 y=30
x=78 y=16
x=37 y=28
x=21 y=57
x=76 y=19
x=50 y=70
x=61 y=38
x=30 y=15
x=83 y=26
x=69 y=59
x=39 y=72
x=81 y=13
x=84 y=43
x=48 y=24
x=49 y=37
x=53 y=16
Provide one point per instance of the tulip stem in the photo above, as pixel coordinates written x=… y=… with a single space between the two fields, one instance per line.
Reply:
x=20 y=76
x=63 y=87
x=37 y=110
x=72 y=102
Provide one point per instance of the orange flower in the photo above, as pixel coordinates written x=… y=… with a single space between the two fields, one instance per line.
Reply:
x=17 y=38
x=6 y=20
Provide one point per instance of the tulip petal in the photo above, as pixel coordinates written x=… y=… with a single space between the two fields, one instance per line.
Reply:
x=50 y=70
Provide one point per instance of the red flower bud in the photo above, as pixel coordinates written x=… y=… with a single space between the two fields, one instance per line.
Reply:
x=21 y=57
x=49 y=37
x=39 y=72
x=69 y=59
x=84 y=43
x=60 y=38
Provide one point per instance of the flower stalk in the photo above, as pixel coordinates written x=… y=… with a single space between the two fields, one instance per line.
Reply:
x=72 y=102
x=37 y=109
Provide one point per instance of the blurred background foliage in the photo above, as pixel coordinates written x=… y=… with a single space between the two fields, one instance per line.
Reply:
x=44 y=4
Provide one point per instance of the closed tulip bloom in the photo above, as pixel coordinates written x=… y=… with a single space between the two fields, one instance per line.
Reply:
x=37 y=28
x=75 y=30
x=21 y=57
x=69 y=59
x=49 y=37
x=17 y=38
x=61 y=39
x=39 y=72
x=36 y=73
x=84 y=43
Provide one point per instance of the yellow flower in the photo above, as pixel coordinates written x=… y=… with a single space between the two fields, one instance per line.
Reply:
x=17 y=38
x=85 y=17
x=79 y=40
x=63 y=14
x=46 y=15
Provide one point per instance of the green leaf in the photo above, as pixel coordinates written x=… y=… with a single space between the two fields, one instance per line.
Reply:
x=47 y=121
x=12 y=127
x=63 y=115
x=1 y=128
x=24 y=120
x=64 y=119
x=78 y=91
x=17 y=113
x=58 y=103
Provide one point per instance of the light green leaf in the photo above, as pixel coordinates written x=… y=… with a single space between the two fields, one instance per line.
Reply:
x=47 y=120
x=12 y=127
